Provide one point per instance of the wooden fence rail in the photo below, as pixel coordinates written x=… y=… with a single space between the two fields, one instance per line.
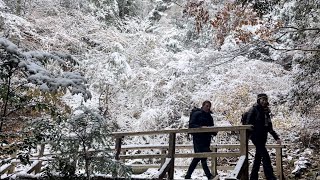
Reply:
x=240 y=171
x=169 y=153
x=214 y=147
x=243 y=147
x=35 y=166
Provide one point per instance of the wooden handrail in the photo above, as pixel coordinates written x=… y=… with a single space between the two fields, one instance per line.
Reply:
x=236 y=173
x=35 y=167
x=184 y=130
x=190 y=146
x=5 y=168
x=163 y=147
x=207 y=154
x=142 y=156
x=164 y=169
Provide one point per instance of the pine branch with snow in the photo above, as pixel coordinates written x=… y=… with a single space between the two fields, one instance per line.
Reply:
x=82 y=143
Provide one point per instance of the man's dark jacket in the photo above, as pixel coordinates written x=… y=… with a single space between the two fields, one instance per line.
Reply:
x=261 y=124
x=200 y=118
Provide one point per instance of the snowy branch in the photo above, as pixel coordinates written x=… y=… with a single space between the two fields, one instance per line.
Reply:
x=32 y=62
x=300 y=29
x=294 y=49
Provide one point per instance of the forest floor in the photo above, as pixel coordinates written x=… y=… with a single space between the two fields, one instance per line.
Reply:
x=302 y=162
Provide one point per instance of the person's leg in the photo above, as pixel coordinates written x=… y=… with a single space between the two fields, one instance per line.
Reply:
x=192 y=167
x=194 y=162
x=256 y=164
x=267 y=167
x=206 y=148
x=206 y=168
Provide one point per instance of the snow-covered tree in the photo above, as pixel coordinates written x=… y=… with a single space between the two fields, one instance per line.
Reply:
x=298 y=41
x=31 y=83
x=82 y=144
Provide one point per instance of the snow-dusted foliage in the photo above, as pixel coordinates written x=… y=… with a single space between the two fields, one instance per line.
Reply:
x=156 y=77
x=299 y=40
x=83 y=143
x=32 y=64
x=2 y=5
x=30 y=83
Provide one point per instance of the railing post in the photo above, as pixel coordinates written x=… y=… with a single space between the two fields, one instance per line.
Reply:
x=214 y=163
x=118 y=147
x=244 y=151
x=163 y=151
x=124 y=153
x=13 y=164
x=279 y=162
x=171 y=153
x=118 y=151
x=41 y=152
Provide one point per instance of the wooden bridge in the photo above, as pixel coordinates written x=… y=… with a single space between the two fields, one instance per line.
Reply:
x=170 y=152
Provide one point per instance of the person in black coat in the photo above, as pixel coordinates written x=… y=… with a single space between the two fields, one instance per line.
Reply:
x=259 y=117
x=201 y=141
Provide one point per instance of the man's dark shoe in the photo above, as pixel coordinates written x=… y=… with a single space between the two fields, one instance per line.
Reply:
x=210 y=177
x=187 y=177
x=272 y=178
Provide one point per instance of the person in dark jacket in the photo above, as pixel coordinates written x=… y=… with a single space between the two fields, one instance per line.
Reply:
x=201 y=141
x=259 y=117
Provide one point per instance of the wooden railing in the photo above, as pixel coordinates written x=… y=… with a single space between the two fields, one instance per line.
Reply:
x=168 y=153
x=214 y=147
x=168 y=167
x=35 y=167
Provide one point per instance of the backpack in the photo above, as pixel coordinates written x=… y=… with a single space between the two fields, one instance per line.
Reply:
x=244 y=118
x=244 y=115
x=195 y=109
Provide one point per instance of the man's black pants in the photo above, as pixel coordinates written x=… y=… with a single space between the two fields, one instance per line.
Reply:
x=262 y=154
x=199 y=147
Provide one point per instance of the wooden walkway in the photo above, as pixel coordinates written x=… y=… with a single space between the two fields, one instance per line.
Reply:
x=170 y=152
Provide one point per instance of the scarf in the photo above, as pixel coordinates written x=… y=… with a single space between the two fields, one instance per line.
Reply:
x=267 y=118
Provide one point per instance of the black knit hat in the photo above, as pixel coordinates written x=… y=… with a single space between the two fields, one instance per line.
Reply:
x=262 y=95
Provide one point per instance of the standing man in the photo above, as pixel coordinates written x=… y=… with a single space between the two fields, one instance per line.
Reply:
x=259 y=117
x=201 y=141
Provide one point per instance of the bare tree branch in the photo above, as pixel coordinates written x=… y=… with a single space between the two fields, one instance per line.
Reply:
x=175 y=2
x=300 y=29
x=294 y=49
x=232 y=55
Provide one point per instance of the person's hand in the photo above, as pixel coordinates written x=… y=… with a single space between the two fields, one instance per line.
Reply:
x=279 y=141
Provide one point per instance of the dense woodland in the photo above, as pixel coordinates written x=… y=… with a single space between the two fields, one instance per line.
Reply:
x=72 y=71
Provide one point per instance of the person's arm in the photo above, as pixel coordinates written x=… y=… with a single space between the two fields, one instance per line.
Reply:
x=194 y=121
x=211 y=124
x=273 y=133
